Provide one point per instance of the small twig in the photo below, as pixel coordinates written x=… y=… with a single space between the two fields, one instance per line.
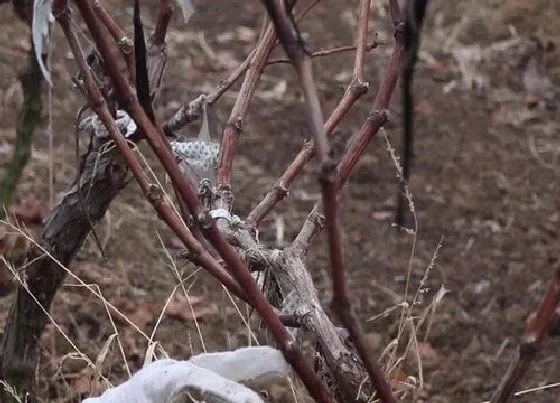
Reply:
x=234 y=125
x=327 y=52
x=377 y=118
x=31 y=79
x=538 y=326
x=189 y=112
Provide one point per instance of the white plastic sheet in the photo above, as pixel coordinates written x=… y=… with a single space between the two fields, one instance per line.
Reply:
x=213 y=377
x=40 y=29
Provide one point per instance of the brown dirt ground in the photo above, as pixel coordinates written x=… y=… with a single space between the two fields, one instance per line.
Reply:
x=477 y=182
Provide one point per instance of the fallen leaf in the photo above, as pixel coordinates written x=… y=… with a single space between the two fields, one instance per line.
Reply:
x=396 y=379
x=139 y=312
x=6 y=148
x=425 y=107
x=179 y=308
x=92 y=273
x=536 y=81
x=29 y=211
x=85 y=385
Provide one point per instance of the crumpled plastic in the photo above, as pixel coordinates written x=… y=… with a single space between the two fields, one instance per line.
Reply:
x=213 y=378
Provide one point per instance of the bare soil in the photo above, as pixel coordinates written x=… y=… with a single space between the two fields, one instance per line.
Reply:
x=485 y=184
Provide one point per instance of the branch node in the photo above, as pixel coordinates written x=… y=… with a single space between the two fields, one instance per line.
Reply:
x=205 y=219
x=328 y=172
x=154 y=194
x=399 y=33
x=236 y=123
x=318 y=219
x=379 y=115
x=125 y=45
x=281 y=189
x=359 y=87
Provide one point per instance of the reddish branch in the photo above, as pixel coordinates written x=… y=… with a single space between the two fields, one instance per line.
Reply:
x=152 y=192
x=288 y=34
x=209 y=228
x=377 y=117
x=123 y=42
x=539 y=325
x=191 y=111
x=358 y=87
x=165 y=12
x=239 y=111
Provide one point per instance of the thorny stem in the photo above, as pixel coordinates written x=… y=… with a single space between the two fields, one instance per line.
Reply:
x=209 y=227
x=539 y=325
x=152 y=192
x=289 y=37
x=123 y=42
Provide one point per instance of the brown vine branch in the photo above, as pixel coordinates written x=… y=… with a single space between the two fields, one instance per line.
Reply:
x=123 y=42
x=189 y=112
x=165 y=12
x=187 y=192
x=294 y=283
x=234 y=125
x=538 y=327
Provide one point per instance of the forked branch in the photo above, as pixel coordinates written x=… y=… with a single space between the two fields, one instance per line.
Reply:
x=186 y=191
x=292 y=42
x=357 y=87
x=153 y=193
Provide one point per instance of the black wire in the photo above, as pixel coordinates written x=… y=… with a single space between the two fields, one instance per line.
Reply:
x=414 y=19
x=141 y=61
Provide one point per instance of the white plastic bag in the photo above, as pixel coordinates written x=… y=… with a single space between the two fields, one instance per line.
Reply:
x=213 y=377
